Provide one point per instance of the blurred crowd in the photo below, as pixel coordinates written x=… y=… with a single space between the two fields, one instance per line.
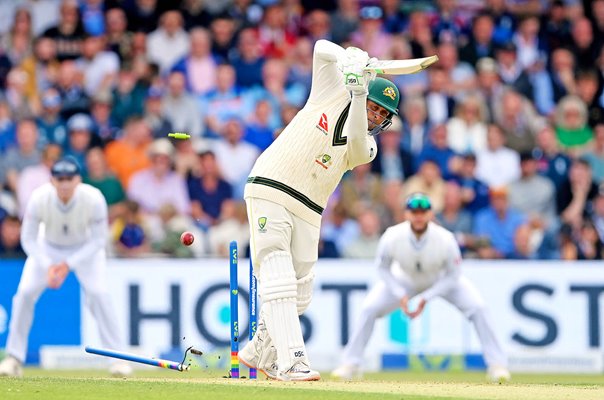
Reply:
x=505 y=133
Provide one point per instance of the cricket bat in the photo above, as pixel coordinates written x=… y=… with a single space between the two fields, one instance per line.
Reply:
x=401 y=67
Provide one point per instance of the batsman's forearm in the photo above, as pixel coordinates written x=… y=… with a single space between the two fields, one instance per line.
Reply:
x=361 y=147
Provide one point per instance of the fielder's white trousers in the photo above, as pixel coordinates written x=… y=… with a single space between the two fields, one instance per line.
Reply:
x=380 y=302
x=91 y=275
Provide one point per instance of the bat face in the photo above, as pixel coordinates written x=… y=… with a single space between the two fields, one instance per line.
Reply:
x=401 y=67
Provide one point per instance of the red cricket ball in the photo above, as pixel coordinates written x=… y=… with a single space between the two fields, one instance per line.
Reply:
x=187 y=238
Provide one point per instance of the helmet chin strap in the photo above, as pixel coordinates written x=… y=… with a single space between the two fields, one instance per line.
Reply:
x=377 y=129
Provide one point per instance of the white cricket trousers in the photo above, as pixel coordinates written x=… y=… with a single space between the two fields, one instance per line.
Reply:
x=380 y=302
x=92 y=277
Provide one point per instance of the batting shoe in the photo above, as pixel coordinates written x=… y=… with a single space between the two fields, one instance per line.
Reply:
x=120 y=369
x=10 y=366
x=347 y=372
x=498 y=374
x=300 y=371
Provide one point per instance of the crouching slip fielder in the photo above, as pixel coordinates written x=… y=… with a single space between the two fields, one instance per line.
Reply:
x=421 y=259
x=64 y=228
x=288 y=188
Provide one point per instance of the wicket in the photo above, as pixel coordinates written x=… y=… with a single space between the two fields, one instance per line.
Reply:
x=234 y=304
x=156 y=362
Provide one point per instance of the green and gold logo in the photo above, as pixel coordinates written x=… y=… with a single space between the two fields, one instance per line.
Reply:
x=262 y=224
x=324 y=160
x=389 y=92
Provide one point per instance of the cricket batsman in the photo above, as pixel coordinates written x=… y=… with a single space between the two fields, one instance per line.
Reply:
x=421 y=260
x=64 y=229
x=288 y=189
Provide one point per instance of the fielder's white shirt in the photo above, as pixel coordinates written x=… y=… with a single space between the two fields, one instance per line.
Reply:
x=428 y=266
x=303 y=166
x=80 y=225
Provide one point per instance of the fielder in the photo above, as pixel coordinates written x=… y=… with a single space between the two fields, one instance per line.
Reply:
x=64 y=229
x=420 y=259
x=288 y=188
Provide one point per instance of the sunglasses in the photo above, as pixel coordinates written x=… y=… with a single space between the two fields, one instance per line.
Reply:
x=419 y=203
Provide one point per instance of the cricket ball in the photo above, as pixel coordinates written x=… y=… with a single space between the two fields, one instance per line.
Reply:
x=187 y=238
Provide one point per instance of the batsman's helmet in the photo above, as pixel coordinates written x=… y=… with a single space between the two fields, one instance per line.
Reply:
x=384 y=93
x=418 y=201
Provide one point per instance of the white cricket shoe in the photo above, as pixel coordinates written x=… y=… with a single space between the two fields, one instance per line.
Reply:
x=265 y=361
x=498 y=374
x=300 y=371
x=347 y=372
x=120 y=369
x=10 y=366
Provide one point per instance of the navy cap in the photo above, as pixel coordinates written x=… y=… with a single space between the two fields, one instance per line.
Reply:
x=66 y=167
x=419 y=201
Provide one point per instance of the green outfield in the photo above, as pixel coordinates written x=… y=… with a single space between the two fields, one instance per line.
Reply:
x=151 y=384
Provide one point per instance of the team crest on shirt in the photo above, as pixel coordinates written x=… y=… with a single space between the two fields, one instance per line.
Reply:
x=389 y=92
x=322 y=125
x=262 y=224
x=324 y=160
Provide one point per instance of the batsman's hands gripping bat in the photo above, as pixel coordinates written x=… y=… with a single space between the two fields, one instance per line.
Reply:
x=57 y=274
x=356 y=77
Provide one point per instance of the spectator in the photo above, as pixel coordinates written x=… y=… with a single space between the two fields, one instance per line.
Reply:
x=481 y=41
x=93 y=18
x=497 y=165
x=166 y=185
x=497 y=224
x=69 y=85
x=143 y=16
x=223 y=36
x=275 y=40
x=230 y=226
x=247 y=59
x=50 y=123
x=10 y=243
x=365 y=245
x=429 y=181
x=438 y=151
x=595 y=156
x=474 y=193
x=440 y=103
x=597 y=215
x=22 y=103
x=504 y=21
x=360 y=189
x=584 y=45
x=555 y=26
x=523 y=245
x=589 y=245
x=80 y=138
x=392 y=162
x=154 y=115
x=119 y=39
x=99 y=176
x=41 y=67
x=467 y=131
x=576 y=193
x=99 y=67
x=530 y=46
x=415 y=129
x=195 y=13
x=258 y=130
x=454 y=218
x=235 y=157
x=344 y=20
x=447 y=23
x=199 y=65
x=34 y=176
x=207 y=189
x=419 y=35
x=510 y=70
x=128 y=96
x=461 y=78
x=104 y=129
x=518 y=120
x=223 y=102
x=128 y=154
x=339 y=229
x=181 y=108
x=589 y=90
x=169 y=42
x=24 y=155
x=300 y=61
x=490 y=86
x=17 y=43
x=128 y=231
x=69 y=32
x=8 y=138
x=409 y=84
x=370 y=36
x=552 y=163
x=571 y=126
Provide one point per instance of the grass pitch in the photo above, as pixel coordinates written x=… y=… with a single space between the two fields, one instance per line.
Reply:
x=151 y=384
